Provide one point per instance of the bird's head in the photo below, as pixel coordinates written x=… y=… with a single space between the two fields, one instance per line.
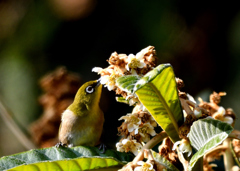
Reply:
x=87 y=96
x=89 y=93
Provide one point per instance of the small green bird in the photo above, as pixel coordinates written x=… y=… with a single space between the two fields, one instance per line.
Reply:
x=82 y=121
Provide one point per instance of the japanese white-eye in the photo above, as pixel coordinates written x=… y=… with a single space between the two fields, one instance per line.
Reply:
x=82 y=121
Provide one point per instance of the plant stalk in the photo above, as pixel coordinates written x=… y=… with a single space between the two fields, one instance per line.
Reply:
x=150 y=144
x=11 y=124
x=227 y=156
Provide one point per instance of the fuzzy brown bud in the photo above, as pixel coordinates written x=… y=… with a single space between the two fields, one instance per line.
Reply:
x=180 y=83
x=183 y=131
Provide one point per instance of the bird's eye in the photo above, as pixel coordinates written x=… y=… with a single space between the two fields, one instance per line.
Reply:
x=89 y=89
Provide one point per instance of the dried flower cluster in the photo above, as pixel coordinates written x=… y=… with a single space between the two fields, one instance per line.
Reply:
x=139 y=125
x=59 y=88
x=166 y=149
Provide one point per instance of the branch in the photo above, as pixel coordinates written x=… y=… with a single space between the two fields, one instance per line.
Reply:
x=227 y=156
x=150 y=144
x=11 y=124
x=234 y=134
x=183 y=160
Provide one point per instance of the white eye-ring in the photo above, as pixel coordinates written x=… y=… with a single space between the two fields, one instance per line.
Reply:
x=89 y=89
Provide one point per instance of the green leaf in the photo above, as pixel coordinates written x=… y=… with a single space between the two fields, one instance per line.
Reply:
x=163 y=161
x=206 y=134
x=122 y=100
x=83 y=163
x=56 y=156
x=127 y=82
x=157 y=91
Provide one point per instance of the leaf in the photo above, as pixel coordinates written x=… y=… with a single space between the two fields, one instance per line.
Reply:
x=127 y=83
x=82 y=163
x=163 y=161
x=206 y=134
x=64 y=154
x=122 y=100
x=157 y=91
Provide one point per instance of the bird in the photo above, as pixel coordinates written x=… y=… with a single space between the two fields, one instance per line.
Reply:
x=82 y=122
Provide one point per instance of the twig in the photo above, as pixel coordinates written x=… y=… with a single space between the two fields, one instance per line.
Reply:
x=234 y=134
x=150 y=144
x=155 y=140
x=227 y=156
x=186 y=107
x=182 y=160
x=219 y=147
x=11 y=124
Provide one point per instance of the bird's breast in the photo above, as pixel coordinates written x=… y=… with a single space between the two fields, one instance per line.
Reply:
x=81 y=130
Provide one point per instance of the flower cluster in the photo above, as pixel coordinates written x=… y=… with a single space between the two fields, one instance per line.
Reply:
x=122 y=64
x=139 y=125
x=144 y=166
x=193 y=111
x=216 y=111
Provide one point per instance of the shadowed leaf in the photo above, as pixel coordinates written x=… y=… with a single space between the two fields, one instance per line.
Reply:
x=62 y=158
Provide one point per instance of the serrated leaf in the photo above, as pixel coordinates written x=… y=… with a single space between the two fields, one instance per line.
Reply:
x=163 y=161
x=157 y=91
x=54 y=154
x=206 y=134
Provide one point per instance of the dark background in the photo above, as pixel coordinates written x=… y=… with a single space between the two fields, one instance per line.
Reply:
x=199 y=38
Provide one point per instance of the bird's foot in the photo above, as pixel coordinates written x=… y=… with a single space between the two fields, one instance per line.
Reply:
x=60 y=144
x=102 y=147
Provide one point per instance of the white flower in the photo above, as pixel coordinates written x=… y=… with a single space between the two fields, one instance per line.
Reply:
x=109 y=77
x=228 y=119
x=191 y=98
x=220 y=115
x=134 y=62
x=133 y=99
x=221 y=110
x=107 y=82
x=129 y=145
x=97 y=69
x=152 y=121
x=144 y=166
x=184 y=147
x=197 y=112
x=184 y=115
x=142 y=107
x=144 y=130
x=133 y=121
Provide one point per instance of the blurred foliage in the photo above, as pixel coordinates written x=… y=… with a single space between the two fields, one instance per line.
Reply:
x=199 y=38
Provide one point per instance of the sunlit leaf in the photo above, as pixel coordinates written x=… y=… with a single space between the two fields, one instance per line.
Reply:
x=157 y=91
x=51 y=157
x=206 y=134
x=83 y=163
x=122 y=100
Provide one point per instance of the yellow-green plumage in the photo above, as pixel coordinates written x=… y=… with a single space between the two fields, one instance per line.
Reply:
x=82 y=121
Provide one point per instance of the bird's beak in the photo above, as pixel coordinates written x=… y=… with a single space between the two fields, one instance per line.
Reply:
x=98 y=82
